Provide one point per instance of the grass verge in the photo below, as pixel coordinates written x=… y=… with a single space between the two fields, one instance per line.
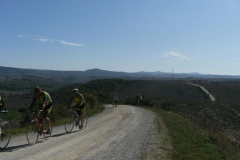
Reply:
x=192 y=142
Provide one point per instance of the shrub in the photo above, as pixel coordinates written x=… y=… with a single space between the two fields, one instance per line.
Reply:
x=91 y=100
x=168 y=104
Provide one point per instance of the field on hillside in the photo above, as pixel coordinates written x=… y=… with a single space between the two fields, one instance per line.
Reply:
x=223 y=90
x=160 y=89
x=14 y=103
x=19 y=86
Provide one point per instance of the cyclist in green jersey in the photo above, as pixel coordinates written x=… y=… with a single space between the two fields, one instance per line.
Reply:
x=45 y=102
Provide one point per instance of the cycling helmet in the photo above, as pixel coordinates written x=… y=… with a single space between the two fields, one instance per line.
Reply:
x=37 y=89
x=75 y=90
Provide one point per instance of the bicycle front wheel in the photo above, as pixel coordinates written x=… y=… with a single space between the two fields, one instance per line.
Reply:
x=69 y=123
x=5 y=134
x=32 y=133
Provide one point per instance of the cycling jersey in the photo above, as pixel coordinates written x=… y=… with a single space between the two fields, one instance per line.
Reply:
x=1 y=104
x=43 y=97
x=79 y=100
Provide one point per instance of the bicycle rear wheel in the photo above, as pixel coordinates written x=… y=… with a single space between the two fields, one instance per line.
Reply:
x=5 y=135
x=32 y=133
x=69 y=123
x=85 y=120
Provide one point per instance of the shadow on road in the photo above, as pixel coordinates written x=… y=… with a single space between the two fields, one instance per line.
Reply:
x=111 y=107
x=61 y=134
x=14 y=148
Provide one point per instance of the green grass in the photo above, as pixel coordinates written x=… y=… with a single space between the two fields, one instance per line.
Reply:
x=93 y=111
x=12 y=114
x=192 y=143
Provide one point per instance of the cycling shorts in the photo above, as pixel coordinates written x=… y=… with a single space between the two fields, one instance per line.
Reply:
x=47 y=110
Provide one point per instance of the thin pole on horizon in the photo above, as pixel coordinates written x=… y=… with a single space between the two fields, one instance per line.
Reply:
x=172 y=74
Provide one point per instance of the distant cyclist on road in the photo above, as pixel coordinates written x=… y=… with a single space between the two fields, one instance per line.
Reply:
x=140 y=98
x=115 y=100
x=45 y=102
x=80 y=105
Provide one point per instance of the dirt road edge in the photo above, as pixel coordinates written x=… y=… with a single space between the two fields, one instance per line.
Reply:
x=159 y=145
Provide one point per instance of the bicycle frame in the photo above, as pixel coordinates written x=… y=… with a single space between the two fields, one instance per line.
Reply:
x=74 y=112
x=37 y=121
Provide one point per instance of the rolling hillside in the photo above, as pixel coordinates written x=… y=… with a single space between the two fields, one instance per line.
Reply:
x=9 y=73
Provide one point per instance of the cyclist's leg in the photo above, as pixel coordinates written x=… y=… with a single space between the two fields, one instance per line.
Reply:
x=45 y=116
x=38 y=124
x=80 y=114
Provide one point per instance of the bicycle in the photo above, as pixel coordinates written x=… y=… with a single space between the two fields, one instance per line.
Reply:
x=5 y=131
x=37 y=127
x=73 y=118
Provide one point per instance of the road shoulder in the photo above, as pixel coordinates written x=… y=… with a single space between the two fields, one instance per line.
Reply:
x=159 y=145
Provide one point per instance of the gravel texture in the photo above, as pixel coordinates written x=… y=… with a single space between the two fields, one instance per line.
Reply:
x=117 y=133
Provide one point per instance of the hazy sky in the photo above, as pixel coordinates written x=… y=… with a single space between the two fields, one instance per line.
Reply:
x=122 y=35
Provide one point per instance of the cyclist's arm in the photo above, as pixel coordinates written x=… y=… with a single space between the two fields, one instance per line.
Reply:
x=44 y=101
x=69 y=104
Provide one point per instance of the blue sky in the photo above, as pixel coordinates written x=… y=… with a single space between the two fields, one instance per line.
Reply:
x=122 y=35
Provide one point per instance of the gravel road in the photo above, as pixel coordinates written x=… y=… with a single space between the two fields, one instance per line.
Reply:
x=211 y=97
x=117 y=133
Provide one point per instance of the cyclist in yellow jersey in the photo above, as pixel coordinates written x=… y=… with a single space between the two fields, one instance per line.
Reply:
x=80 y=105
x=1 y=103
x=45 y=102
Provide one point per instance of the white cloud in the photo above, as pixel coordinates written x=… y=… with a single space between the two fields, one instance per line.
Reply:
x=176 y=55
x=71 y=44
x=22 y=36
x=45 y=39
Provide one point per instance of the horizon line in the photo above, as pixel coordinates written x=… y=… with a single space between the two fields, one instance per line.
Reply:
x=123 y=71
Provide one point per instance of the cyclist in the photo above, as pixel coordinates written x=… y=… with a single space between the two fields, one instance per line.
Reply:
x=80 y=105
x=140 y=99
x=1 y=103
x=45 y=102
x=115 y=100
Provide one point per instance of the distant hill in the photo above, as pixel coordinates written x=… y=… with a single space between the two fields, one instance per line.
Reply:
x=8 y=73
